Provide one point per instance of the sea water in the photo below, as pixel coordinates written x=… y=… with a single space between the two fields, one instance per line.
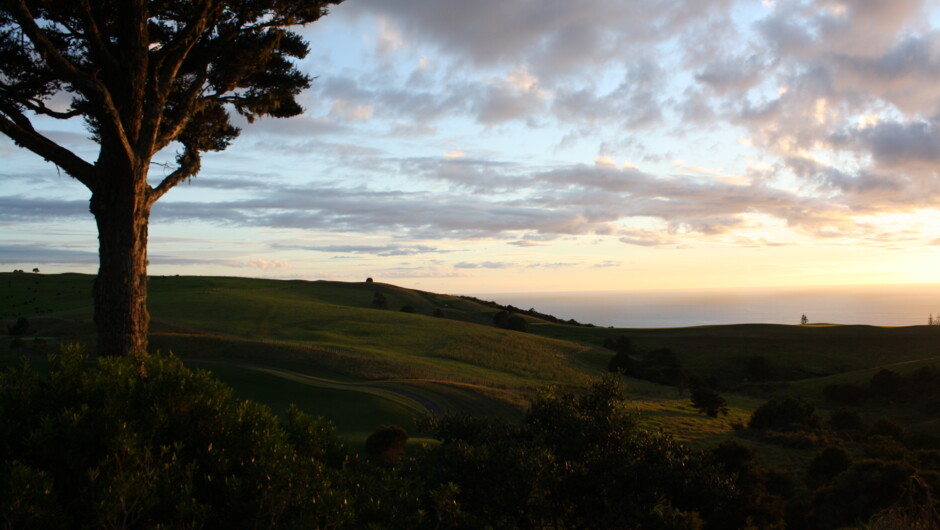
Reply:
x=894 y=305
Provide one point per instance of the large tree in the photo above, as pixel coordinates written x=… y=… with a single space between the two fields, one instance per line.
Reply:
x=143 y=74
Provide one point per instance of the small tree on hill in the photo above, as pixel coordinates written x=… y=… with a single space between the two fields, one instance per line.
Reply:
x=709 y=402
x=379 y=300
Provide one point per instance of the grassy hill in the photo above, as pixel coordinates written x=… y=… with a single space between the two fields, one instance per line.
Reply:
x=327 y=347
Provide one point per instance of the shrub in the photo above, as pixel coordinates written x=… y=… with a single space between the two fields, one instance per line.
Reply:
x=408 y=309
x=846 y=393
x=387 y=444
x=826 y=465
x=857 y=493
x=621 y=363
x=847 y=420
x=888 y=428
x=99 y=446
x=787 y=414
x=709 y=402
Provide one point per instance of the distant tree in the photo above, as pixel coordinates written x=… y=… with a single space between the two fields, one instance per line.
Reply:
x=145 y=76
x=379 y=300
x=847 y=420
x=757 y=368
x=20 y=328
x=500 y=318
x=621 y=363
x=887 y=383
x=826 y=465
x=804 y=320
x=887 y=427
x=408 y=309
x=368 y=280
x=621 y=343
x=516 y=323
x=36 y=270
x=438 y=313
x=786 y=414
x=709 y=402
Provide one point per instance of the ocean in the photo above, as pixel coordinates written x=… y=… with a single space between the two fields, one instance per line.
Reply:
x=884 y=305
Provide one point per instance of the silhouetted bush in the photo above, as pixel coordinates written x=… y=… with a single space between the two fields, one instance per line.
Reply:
x=387 y=444
x=826 y=465
x=757 y=368
x=621 y=363
x=709 y=402
x=100 y=446
x=408 y=309
x=846 y=393
x=847 y=420
x=379 y=300
x=887 y=383
x=886 y=427
x=859 y=492
x=516 y=323
x=787 y=414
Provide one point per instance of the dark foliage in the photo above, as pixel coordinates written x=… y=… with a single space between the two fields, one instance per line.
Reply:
x=506 y=320
x=846 y=393
x=826 y=465
x=101 y=447
x=20 y=328
x=660 y=366
x=859 y=492
x=888 y=428
x=786 y=414
x=387 y=444
x=709 y=402
x=379 y=300
x=757 y=369
x=578 y=461
x=847 y=420
x=408 y=309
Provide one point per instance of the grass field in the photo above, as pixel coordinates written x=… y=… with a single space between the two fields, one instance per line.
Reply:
x=326 y=347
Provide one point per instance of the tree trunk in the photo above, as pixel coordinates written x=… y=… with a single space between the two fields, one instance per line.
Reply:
x=122 y=212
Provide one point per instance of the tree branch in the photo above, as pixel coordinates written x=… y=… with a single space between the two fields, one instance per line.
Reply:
x=82 y=81
x=190 y=98
x=189 y=162
x=20 y=130
x=162 y=73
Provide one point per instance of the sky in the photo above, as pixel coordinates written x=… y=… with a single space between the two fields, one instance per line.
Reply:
x=548 y=145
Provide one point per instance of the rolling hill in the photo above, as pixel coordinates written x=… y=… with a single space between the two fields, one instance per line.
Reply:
x=329 y=348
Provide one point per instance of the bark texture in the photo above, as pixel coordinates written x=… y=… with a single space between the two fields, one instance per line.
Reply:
x=122 y=213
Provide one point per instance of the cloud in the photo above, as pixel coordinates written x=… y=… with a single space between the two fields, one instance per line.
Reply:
x=376 y=250
x=484 y=265
x=39 y=254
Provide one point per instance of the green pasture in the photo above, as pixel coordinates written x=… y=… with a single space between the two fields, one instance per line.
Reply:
x=325 y=346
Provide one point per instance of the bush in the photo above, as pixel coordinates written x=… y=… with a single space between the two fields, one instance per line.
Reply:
x=387 y=444
x=99 y=446
x=709 y=402
x=888 y=428
x=860 y=491
x=578 y=461
x=847 y=420
x=787 y=414
x=846 y=393
x=826 y=465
